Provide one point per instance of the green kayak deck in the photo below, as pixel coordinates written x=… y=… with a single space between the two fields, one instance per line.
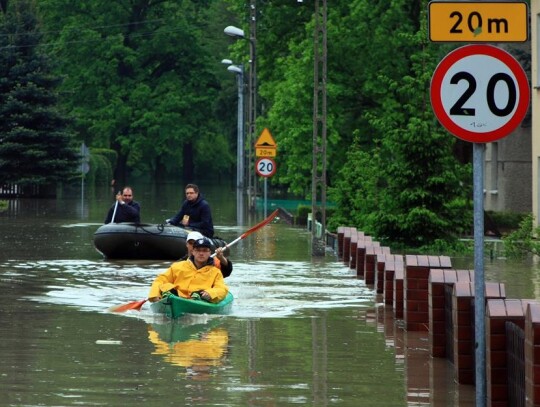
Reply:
x=174 y=306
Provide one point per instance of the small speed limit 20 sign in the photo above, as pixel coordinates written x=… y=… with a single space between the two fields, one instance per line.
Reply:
x=265 y=167
x=480 y=93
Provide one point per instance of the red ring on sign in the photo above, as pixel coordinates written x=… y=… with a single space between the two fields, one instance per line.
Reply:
x=497 y=53
x=265 y=174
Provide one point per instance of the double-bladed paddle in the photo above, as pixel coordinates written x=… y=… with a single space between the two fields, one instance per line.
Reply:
x=136 y=305
x=253 y=229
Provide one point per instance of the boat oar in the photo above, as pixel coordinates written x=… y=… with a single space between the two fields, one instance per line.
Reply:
x=136 y=305
x=253 y=229
x=114 y=212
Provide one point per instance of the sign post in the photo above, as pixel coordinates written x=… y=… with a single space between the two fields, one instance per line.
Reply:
x=480 y=94
x=265 y=149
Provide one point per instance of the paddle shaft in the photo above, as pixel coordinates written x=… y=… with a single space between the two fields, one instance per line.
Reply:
x=250 y=231
x=114 y=212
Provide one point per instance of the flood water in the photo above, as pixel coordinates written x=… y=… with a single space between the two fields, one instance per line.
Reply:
x=303 y=330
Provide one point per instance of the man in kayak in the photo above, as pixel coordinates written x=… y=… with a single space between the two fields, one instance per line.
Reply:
x=125 y=208
x=195 y=213
x=220 y=261
x=195 y=278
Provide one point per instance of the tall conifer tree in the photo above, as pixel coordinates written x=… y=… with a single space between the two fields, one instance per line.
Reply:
x=35 y=146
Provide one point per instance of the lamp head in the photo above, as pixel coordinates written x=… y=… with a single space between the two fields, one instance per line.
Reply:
x=235 y=69
x=234 y=31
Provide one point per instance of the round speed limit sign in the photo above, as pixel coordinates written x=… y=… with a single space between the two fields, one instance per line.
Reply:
x=265 y=167
x=480 y=93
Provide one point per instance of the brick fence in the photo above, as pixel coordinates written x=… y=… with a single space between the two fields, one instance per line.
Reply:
x=426 y=294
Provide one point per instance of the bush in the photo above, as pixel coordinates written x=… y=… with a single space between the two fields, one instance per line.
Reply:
x=523 y=240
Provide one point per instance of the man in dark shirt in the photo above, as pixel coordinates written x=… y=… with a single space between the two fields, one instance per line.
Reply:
x=125 y=208
x=195 y=213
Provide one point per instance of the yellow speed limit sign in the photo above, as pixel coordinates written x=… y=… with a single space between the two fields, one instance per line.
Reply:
x=478 y=21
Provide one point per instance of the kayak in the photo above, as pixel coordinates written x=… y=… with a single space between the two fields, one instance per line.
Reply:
x=142 y=241
x=174 y=306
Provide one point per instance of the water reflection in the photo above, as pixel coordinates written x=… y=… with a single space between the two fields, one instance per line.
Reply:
x=194 y=346
x=240 y=207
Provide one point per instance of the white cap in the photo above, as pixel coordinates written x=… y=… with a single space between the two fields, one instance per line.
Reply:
x=194 y=236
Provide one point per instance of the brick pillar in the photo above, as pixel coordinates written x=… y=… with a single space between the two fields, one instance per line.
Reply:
x=438 y=280
x=370 y=262
x=498 y=312
x=416 y=289
x=389 y=271
x=397 y=295
x=353 y=244
x=532 y=355
x=347 y=245
x=380 y=261
x=380 y=265
x=361 y=254
x=463 y=322
x=340 y=233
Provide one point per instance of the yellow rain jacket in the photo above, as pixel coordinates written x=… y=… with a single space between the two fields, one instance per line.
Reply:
x=187 y=279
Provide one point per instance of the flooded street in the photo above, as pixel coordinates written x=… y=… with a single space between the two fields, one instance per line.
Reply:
x=302 y=331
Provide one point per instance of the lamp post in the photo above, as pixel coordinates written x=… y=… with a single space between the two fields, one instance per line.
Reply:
x=238 y=70
x=238 y=33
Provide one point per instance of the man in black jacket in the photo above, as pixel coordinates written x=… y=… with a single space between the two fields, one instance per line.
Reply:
x=195 y=213
x=125 y=209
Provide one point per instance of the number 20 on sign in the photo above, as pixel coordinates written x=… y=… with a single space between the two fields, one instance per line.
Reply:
x=479 y=93
x=265 y=167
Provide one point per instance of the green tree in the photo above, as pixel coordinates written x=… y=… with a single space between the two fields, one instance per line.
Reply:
x=35 y=146
x=140 y=80
x=391 y=167
x=413 y=192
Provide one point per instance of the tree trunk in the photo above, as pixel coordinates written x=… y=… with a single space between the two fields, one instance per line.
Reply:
x=120 y=172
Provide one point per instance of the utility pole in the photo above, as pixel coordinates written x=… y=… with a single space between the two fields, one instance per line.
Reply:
x=252 y=100
x=318 y=178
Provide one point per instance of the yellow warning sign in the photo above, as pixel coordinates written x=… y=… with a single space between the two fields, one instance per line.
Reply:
x=265 y=151
x=265 y=145
x=265 y=140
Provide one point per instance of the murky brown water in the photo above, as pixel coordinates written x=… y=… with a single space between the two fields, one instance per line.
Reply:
x=303 y=331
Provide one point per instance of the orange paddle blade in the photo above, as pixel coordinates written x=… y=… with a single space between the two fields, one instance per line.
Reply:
x=136 y=305
x=261 y=224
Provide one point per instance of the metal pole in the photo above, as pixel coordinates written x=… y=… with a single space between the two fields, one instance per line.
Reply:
x=240 y=132
x=252 y=101
x=479 y=282
x=318 y=176
x=265 y=197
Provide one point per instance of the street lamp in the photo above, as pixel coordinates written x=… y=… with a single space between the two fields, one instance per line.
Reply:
x=238 y=33
x=234 y=31
x=238 y=70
